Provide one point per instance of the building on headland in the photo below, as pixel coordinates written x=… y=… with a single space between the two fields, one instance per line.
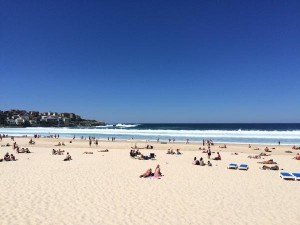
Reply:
x=17 y=118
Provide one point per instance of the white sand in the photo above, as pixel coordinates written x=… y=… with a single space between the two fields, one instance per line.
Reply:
x=105 y=188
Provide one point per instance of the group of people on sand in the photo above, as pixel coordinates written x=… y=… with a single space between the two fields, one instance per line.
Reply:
x=137 y=155
x=157 y=173
x=223 y=146
x=60 y=144
x=200 y=162
x=8 y=157
x=57 y=152
x=171 y=152
x=296 y=148
x=23 y=150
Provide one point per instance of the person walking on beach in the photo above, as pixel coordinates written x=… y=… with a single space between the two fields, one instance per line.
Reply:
x=187 y=141
x=90 y=142
x=96 y=143
x=278 y=142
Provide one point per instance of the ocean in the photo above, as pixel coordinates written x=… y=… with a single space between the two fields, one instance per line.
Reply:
x=238 y=133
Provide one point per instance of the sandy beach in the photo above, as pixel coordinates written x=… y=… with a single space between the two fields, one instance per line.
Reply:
x=105 y=188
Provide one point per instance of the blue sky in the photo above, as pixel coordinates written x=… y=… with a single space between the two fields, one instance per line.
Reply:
x=153 y=61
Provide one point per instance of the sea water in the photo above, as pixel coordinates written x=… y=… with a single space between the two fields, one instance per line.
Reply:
x=268 y=134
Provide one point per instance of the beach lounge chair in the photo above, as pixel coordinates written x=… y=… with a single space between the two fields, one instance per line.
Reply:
x=296 y=175
x=286 y=176
x=243 y=167
x=152 y=156
x=232 y=166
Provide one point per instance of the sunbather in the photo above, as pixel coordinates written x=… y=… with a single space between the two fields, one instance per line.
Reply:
x=254 y=156
x=297 y=157
x=12 y=157
x=178 y=152
x=264 y=154
x=7 y=157
x=196 y=162
x=268 y=162
x=201 y=162
x=68 y=157
x=270 y=167
x=106 y=150
x=147 y=173
x=157 y=172
x=218 y=157
x=88 y=153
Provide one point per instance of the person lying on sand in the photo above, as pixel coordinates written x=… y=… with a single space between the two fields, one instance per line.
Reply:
x=268 y=162
x=264 y=154
x=254 y=156
x=88 y=153
x=297 y=157
x=59 y=144
x=270 y=167
x=148 y=173
x=106 y=150
x=68 y=157
x=224 y=146
x=256 y=149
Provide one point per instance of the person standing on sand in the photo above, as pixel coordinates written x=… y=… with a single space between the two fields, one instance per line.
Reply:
x=208 y=153
x=278 y=142
x=90 y=142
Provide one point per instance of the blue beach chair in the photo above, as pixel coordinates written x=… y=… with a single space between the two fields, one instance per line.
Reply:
x=286 y=176
x=232 y=166
x=296 y=175
x=243 y=167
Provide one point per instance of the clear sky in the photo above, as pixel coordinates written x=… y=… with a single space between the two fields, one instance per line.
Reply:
x=153 y=61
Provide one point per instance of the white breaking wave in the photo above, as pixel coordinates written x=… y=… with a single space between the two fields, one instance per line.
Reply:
x=156 y=133
x=126 y=125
